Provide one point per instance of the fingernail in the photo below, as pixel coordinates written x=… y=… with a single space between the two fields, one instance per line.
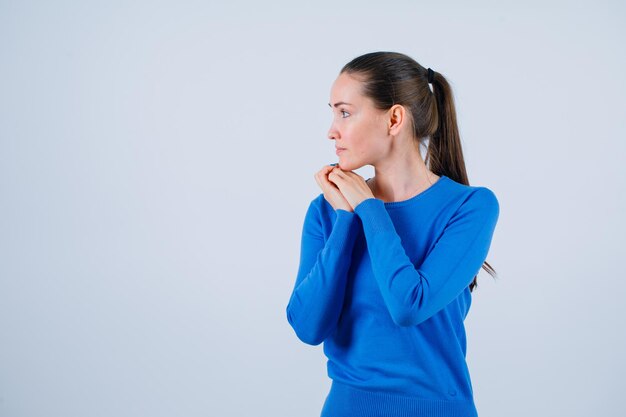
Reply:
x=334 y=164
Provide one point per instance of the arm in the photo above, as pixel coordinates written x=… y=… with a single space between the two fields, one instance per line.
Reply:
x=317 y=298
x=413 y=295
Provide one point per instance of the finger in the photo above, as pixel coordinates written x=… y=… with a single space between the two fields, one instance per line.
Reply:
x=335 y=178
x=323 y=175
x=339 y=173
x=319 y=175
x=352 y=174
x=322 y=179
x=324 y=171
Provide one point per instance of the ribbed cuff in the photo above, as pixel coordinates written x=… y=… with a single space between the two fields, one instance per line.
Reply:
x=374 y=215
x=345 y=229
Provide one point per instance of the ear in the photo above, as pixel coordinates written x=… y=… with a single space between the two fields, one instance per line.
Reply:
x=396 y=119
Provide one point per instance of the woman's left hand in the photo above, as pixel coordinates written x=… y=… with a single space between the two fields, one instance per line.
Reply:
x=352 y=186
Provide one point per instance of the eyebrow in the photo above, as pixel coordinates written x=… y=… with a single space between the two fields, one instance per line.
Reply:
x=339 y=104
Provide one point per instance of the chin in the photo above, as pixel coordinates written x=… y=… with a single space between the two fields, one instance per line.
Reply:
x=344 y=166
x=347 y=166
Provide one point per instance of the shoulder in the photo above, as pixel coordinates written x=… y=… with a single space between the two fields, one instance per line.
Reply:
x=472 y=194
x=483 y=197
x=474 y=200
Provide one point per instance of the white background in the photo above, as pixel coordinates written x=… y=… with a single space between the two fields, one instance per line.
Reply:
x=157 y=160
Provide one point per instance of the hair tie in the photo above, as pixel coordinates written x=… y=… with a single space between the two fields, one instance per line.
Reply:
x=431 y=75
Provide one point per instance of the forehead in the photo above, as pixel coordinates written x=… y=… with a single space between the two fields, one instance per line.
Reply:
x=346 y=88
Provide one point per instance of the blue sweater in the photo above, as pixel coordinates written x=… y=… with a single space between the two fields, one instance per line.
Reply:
x=386 y=288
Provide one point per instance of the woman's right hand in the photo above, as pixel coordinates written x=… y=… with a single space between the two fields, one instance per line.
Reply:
x=332 y=194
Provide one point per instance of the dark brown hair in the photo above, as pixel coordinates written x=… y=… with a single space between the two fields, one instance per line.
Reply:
x=393 y=78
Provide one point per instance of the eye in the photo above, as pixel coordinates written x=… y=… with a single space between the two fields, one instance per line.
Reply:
x=343 y=111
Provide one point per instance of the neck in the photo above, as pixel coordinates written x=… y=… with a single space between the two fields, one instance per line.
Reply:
x=401 y=178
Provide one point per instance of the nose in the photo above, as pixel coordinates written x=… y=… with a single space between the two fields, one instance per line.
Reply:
x=332 y=133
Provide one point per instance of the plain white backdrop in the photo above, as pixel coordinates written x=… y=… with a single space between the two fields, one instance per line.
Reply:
x=157 y=160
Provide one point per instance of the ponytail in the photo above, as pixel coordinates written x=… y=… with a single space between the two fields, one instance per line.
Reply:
x=445 y=153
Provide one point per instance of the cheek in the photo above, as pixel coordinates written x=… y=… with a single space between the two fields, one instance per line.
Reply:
x=378 y=128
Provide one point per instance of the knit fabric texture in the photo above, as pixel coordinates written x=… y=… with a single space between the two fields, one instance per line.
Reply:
x=386 y=289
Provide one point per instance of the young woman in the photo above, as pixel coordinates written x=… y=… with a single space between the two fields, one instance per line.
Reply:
x=388 y=265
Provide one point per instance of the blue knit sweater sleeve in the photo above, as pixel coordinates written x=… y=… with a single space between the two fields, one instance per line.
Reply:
x=414 y=293
x=317 y=297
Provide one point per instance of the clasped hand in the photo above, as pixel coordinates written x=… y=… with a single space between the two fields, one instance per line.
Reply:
x=342 y=189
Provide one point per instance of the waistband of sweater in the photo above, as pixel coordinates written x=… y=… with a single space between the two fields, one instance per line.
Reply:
x=357 y=402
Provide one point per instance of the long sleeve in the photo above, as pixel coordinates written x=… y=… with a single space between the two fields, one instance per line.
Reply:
x=413 y=293
x=317 y=298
